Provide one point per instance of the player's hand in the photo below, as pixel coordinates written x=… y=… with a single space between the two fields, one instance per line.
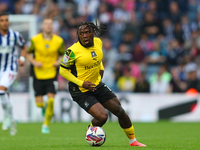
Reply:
x=21 y=63
x=56 y=64
x=89 y=85
x=37 y=64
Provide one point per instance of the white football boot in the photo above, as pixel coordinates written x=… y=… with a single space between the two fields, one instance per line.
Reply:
x=5 y=123
x=13 y=128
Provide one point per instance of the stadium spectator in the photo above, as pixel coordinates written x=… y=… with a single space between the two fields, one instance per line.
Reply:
x=174 y=12
x=175 y=51
x=145 y=44
x=192 y=80
x=135 y=70
x=168 y=29
x=155 y=57
x=192 y=10
x=88 y=8
x=142 y=85
x=133 y=26
x=128 y=39
x=126 y=83
x=186 y=27
x=117 y=73
x=151 y=27
x=109 y=76
x=6 y=6
x=110 y=53
x=153 y=9
x=138 y=54
x=178 y=33
x=104 y=15
x=159 y=82
x=120 y=17
x=124 y=55
x=176 y=84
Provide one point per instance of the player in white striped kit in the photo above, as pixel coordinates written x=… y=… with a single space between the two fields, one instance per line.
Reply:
x=9 y=60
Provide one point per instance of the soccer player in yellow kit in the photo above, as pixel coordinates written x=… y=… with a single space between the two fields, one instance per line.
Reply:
x=48 y=49
x=82 y=66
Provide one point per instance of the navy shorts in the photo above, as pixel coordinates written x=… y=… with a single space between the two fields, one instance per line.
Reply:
x=42 y=87
x=87 y=99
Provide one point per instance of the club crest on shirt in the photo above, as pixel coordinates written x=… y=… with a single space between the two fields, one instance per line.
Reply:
x=93 y=54
x=46 y=46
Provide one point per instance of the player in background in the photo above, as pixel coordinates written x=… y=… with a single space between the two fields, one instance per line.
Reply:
x=47 y=49
x=9 y=60
x=82 y=66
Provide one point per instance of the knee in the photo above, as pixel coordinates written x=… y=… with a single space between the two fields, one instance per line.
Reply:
x=2 y=95
x=103 y=117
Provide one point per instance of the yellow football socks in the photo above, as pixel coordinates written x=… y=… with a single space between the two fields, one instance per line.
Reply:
x=130 y=132
x=49 y=111
x=91 y=125
x=40 y=104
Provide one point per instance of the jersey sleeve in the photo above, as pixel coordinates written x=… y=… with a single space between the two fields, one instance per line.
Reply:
x=62 y=48
x=68 y=59
x=31 y=46
x=20 y=39
x=70 y=77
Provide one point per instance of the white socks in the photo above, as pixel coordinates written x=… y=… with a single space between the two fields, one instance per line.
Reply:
x=6 y=105
x=132 y=140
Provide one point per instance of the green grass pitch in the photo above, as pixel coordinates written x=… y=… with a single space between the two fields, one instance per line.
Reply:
x=71 y=136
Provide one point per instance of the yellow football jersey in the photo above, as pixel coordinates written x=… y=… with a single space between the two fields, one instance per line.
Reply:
x=47 y=52
x=84 y=63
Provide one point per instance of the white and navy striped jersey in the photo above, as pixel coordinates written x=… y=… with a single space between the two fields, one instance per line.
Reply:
x=8 y=50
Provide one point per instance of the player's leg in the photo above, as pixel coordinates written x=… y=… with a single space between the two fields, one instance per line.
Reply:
x=48 y=112
x=110 y=101
x=5 y=105
x=51 y=88
x=114 y=106
x=91 y=105
x=7 y=78
x=99 y=113
x=39 y=101
x=38 y=86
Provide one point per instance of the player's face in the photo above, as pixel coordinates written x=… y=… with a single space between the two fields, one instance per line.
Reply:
x=47 y=25
x=4 y=22
x=86 y=36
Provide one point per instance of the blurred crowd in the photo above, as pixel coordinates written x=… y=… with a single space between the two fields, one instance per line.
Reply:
x=150 y=46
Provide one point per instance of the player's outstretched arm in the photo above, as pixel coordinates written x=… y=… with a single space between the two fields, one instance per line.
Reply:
x=70 y=77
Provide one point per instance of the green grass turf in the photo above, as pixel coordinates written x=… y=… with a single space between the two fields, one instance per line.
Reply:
x=71 y=136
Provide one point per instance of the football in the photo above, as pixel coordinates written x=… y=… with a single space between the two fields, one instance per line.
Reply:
x=95 y=136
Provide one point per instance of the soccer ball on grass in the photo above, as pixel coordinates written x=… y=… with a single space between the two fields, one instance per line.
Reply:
x=95 y=136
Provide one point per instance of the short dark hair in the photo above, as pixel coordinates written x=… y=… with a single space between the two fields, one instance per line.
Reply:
x=4 y=14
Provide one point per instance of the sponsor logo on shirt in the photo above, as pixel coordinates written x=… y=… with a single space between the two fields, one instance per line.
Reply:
x=5 y=49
